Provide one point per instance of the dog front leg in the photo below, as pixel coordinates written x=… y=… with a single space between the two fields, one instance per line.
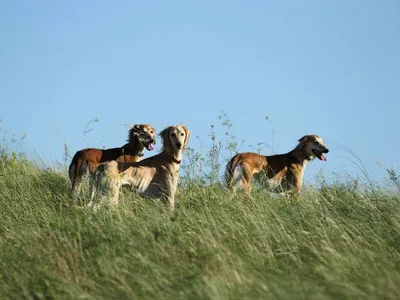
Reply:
x=297 y=182
x=92 y=194
x=171 y=201
x=115 y=193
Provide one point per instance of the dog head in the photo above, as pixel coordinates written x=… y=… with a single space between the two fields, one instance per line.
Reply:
x=313 y=146
x=175 y=138
x=143 y=134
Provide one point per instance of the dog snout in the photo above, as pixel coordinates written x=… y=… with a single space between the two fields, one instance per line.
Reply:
x=179 y=145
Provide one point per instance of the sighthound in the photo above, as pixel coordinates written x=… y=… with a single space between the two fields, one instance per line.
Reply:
x=140 y=136
x=154 y=177
x=281 y=172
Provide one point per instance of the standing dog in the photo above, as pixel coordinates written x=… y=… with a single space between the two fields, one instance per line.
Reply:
x=153 y=177
x=140 y=136
x=281 y=172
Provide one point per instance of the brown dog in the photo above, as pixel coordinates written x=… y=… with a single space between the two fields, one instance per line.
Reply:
x=140 y=136
x=281 y=172
x=154 y=177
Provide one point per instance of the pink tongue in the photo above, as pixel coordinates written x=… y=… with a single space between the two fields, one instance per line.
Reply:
x=150 y=147
x=323 y=157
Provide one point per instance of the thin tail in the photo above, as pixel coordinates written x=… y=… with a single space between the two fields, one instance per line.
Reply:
x=228 y=174
x=231 y=171
x=74 y=168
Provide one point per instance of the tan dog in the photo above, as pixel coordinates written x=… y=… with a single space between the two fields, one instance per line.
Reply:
x=140 y=136
x=281 y=172
x=153 y=177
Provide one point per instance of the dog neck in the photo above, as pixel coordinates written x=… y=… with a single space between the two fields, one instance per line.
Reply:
x=173 y=158
x=304 y=156
x=300 y=156
x=140 y=154
x=136 y=150
x=137 y=146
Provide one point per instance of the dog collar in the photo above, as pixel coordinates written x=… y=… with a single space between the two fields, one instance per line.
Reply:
x=129 y=151
x=175 y=160
x=140 y=154
x=305 y=156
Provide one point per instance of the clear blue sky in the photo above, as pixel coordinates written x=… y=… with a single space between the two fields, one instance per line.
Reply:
x=326 y=67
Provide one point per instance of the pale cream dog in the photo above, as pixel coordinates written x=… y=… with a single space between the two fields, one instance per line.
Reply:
x=153 y=177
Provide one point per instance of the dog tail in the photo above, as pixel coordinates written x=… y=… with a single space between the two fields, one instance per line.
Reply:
x=74 y=168
x=233 y=171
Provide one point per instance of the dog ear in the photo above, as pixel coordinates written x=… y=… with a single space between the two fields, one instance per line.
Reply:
x=303 y=139
x=164 y=134
x=134 y=131
x=187 y=136
x=137 y=129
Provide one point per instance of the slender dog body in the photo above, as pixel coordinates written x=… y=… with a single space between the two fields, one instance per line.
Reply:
x=140 y=137
x=281 y=172
x=154 y=177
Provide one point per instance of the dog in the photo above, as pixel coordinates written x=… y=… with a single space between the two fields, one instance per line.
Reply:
x=140 y=136
x=281 y=172
x=154 y=177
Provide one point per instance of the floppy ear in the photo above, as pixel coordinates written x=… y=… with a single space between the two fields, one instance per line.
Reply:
x=187 y=136
x=134 y=131
x=303 y=139
x=164 y=134
x=137 y=129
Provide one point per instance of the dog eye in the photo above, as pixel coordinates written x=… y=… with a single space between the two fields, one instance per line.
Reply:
x=173 y=134
x=151 y=131
x=317 y=142
x=182 y=134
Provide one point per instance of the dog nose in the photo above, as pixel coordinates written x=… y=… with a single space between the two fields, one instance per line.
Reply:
x=179 y=145
x=326 y=150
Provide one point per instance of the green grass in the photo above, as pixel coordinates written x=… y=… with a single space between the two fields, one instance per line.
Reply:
x=331 y=243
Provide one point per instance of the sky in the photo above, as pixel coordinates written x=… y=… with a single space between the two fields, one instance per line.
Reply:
x=330 y=68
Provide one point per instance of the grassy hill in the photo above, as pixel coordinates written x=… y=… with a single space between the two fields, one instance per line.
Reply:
x=332 y=242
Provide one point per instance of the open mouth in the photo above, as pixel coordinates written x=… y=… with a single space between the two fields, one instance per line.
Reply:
x=147 y=141
x=319 y=155
x=148 y=144
x=149 y=147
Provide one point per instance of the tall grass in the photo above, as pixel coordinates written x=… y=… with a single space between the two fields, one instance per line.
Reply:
x=335 y=241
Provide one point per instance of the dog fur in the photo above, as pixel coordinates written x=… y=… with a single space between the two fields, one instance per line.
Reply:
x=154 y=177
x=281 y=172
x=140 y=136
